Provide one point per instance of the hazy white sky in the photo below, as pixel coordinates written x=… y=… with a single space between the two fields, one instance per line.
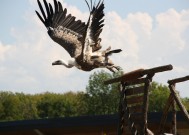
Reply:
x=150 y=33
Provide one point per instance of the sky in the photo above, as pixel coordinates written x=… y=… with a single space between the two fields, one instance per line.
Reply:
x=150 y=33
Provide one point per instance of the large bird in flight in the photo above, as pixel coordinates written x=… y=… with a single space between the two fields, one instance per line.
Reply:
x=80 y=40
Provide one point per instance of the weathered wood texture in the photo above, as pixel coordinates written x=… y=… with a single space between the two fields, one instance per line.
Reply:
x=178 y=101
x=137 y=108
x=138 y=74
x=174 y=118
x=125 y=116
x=134 y=91
x=128 y=76
x=165 y=113
x=177 y=80
x=157 y=69
x=136 y=82
x=134 y=98
x=135 y=105
x=173 y=100
x=145 y=104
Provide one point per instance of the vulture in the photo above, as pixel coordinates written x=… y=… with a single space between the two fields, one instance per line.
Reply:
x=81 y=40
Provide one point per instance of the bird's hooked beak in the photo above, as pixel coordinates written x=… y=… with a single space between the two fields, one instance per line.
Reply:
x=58 y=62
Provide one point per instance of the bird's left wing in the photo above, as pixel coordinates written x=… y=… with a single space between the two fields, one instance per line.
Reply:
x=67 y=30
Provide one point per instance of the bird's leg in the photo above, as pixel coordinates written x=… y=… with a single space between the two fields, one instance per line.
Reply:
x=113 y=68
x=110 y=65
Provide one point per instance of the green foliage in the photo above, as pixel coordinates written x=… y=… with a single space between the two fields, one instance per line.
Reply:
x=9 y=104
x=185 y=102
x=27 y=106
x=59 y=105
x=158 y=96
x=100 y=98
x=97 y=100
x=19 y=106
x=16 y=106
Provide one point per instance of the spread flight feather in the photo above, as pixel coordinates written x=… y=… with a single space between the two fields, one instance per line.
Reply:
x=80 y=40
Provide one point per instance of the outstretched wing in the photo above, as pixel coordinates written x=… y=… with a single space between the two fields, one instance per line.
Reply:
x=62 y=28
x=95 y=23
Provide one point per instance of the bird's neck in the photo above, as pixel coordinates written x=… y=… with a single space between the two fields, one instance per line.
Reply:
x=69 y=64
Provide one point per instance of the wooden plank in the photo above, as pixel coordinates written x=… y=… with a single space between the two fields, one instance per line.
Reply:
x=137 y=118
x=136 y=109
x=133 y=75
x=135 y=99
x=136 y=82
x=127 y=116
x=157 y=69
x=126 y=77
x=134 y=91
x=177 y=80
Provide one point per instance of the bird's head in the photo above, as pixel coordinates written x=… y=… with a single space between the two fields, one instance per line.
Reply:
x=58 y=62
x=64 y=63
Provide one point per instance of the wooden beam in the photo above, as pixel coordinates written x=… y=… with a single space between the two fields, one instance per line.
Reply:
x=136 y=81
x=165 y=113
x=157 y=69
x=133 y=75
x=135 y=100
x=126 y=77
x=179 y=103
x=177 y=80
x=134 y=91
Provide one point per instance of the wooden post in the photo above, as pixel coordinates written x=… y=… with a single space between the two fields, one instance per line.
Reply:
x=173 y=100
x=178 y=101
x=121 y=110
x=165 y=113
x=126 y=77
x=146 y=102
x=177 y=80
x=174 y=118
x=176 y=96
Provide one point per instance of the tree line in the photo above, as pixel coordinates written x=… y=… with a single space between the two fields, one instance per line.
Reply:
x=97 y=99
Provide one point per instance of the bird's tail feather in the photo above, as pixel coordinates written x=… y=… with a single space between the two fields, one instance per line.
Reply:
x=113 y=51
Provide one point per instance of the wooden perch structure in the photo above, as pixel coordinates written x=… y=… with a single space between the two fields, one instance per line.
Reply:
x=177 y=80
x=173 y=100
x=138 y=74
x=134 y=99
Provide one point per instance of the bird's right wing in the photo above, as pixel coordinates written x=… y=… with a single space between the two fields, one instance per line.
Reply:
x=95 y=23
x=58 y=19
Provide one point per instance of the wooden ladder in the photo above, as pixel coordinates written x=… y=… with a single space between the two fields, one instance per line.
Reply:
x=134 y=94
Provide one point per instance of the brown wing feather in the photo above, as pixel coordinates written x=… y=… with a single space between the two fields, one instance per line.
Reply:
x=62 y=24
x=97 y=20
